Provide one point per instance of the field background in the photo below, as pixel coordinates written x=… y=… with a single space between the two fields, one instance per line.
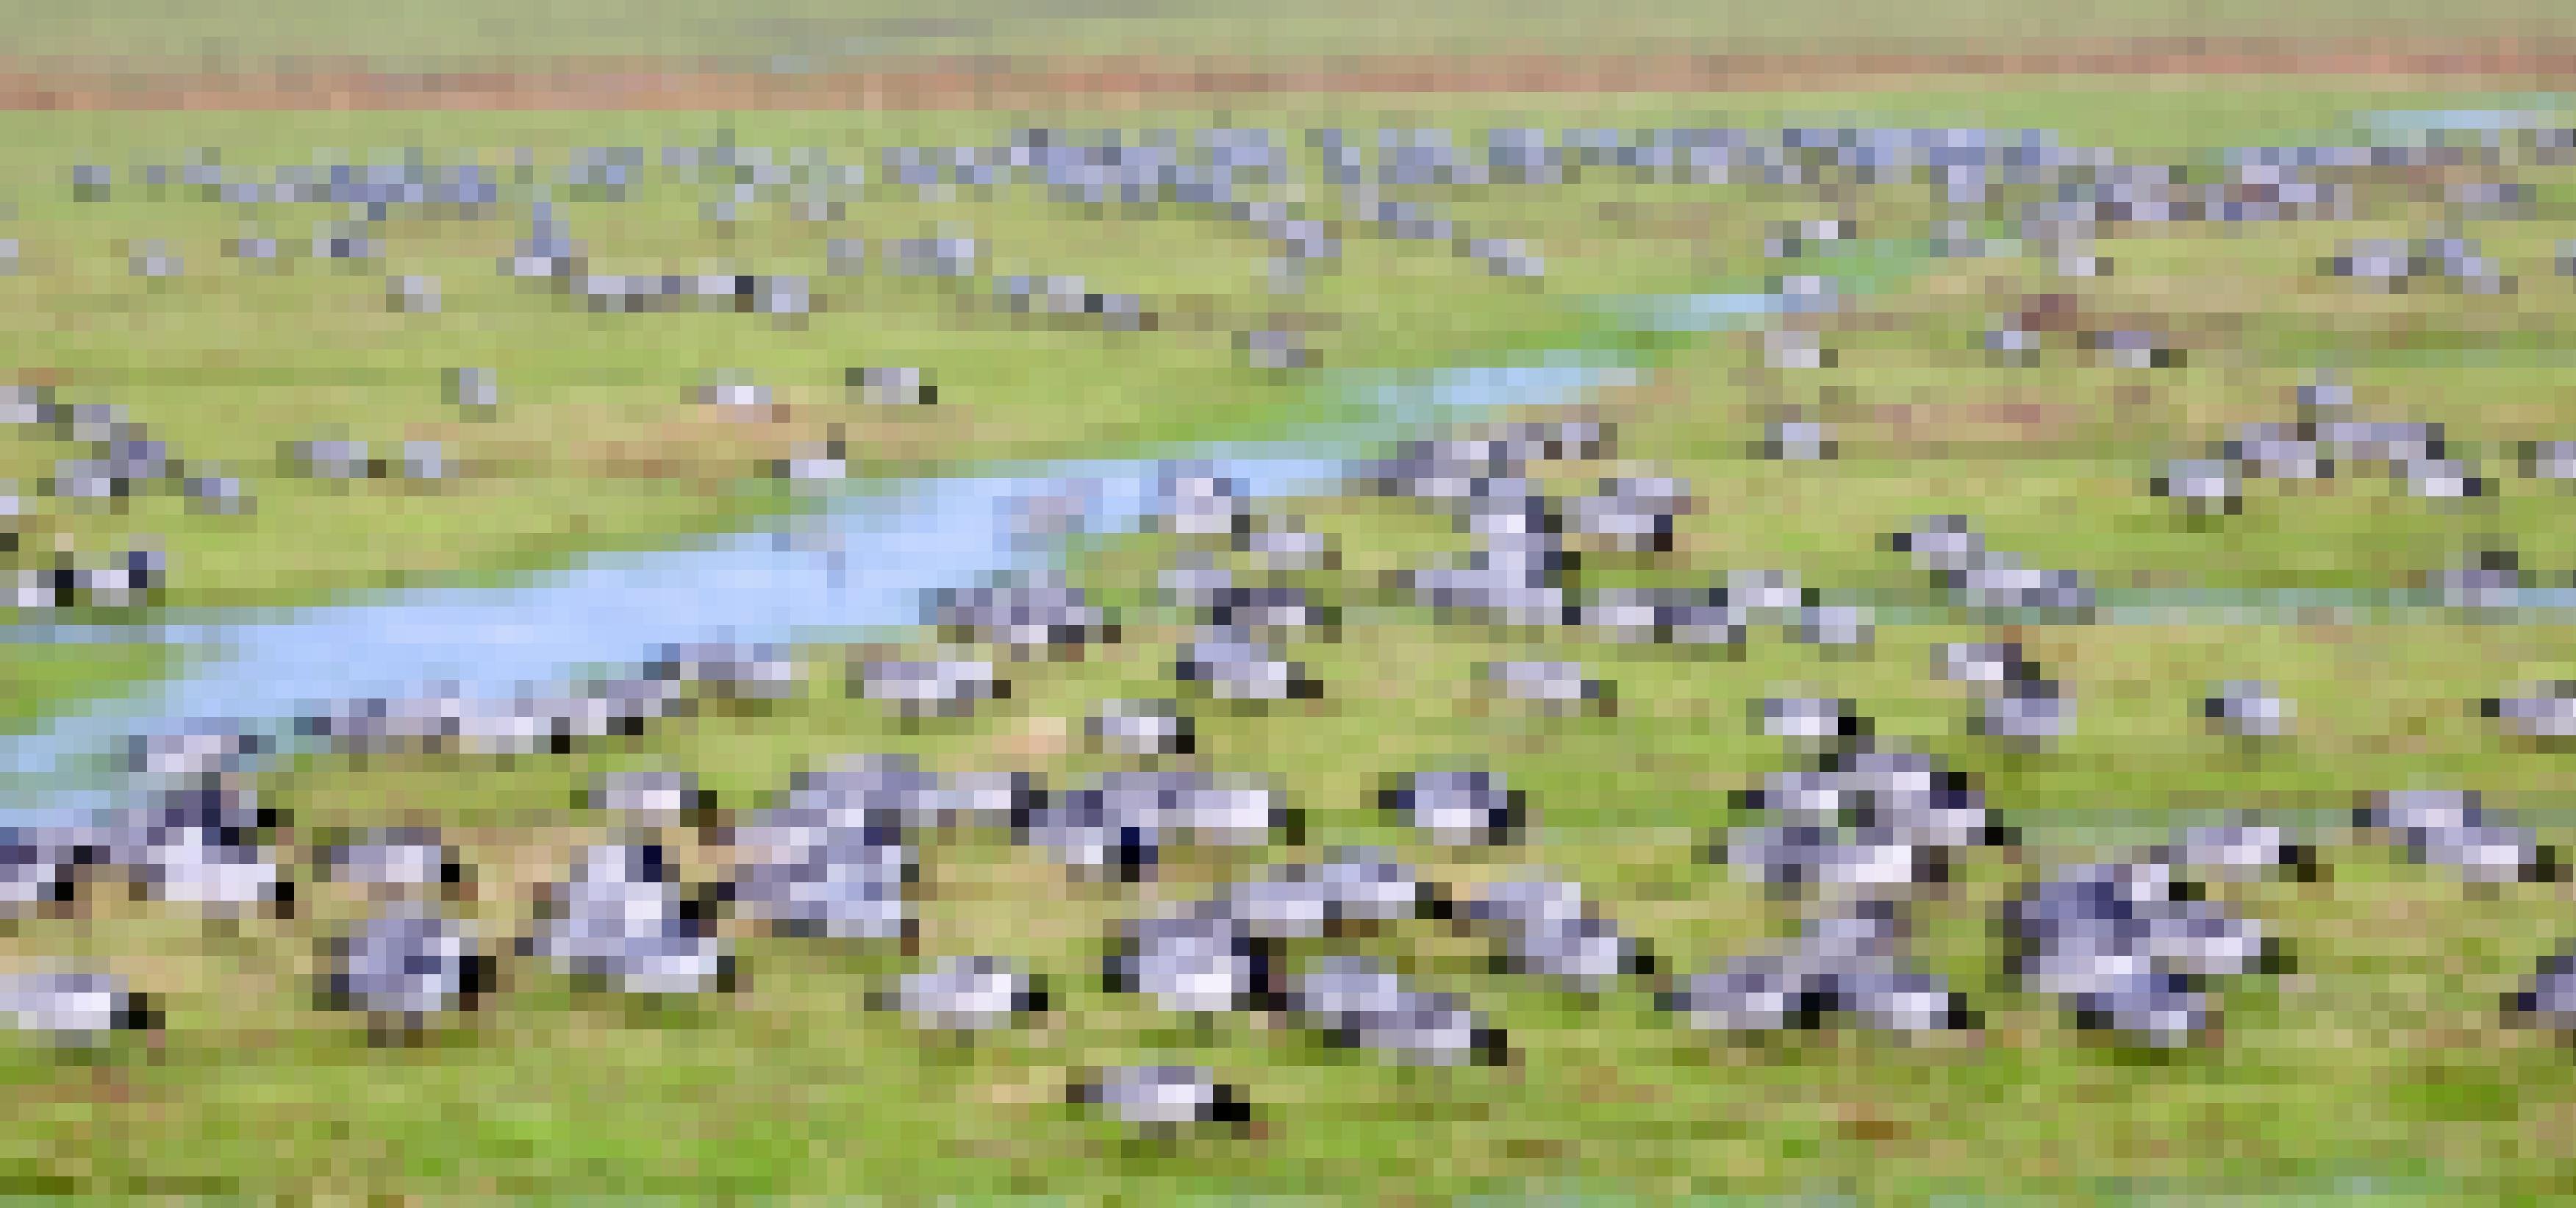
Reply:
x=2379 y=1067
x=478 y=29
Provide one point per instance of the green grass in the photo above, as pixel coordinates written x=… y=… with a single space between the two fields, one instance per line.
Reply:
x=41 y=681
x=601 y=401
x=2380 y=1060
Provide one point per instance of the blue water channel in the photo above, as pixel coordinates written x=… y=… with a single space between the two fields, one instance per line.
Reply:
x=858 y=567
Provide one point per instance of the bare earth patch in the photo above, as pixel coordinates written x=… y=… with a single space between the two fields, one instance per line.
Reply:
x=1006 y=83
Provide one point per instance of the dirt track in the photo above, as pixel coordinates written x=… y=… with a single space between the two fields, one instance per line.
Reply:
x=1130 y=82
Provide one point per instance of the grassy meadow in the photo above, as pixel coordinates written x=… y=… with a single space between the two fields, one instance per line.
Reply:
x=2379 y=1058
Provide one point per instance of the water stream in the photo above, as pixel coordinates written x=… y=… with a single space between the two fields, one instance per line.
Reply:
x=862 y=565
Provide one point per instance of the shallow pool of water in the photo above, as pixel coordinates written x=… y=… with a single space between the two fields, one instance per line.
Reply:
x=2509 y=113
x=859 y=567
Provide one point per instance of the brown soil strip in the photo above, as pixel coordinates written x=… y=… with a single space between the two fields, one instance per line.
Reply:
x=985 y=84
